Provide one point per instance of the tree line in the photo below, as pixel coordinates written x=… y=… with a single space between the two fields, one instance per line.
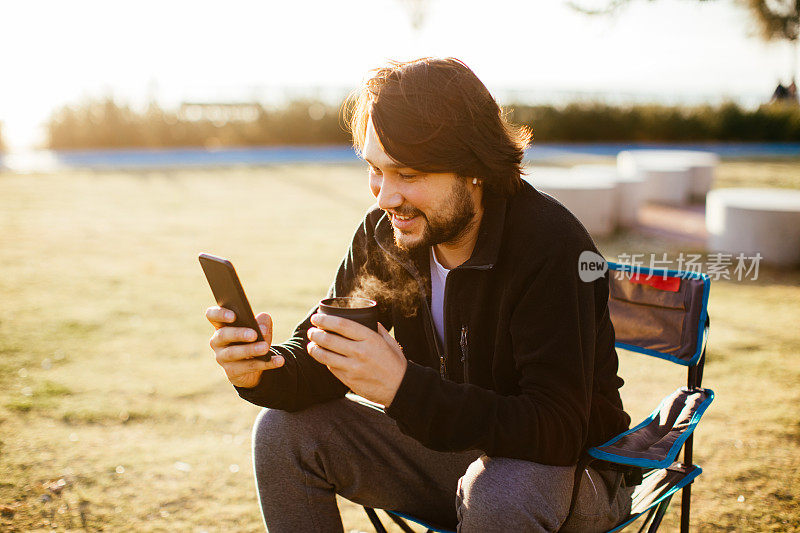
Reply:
x=108 y=124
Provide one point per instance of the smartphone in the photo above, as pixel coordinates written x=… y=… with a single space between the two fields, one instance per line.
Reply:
x=229 y=294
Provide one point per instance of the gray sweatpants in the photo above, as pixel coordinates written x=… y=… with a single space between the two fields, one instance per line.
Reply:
x=303 y=459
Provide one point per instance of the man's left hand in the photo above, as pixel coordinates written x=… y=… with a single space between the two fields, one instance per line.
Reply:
x=371 y=364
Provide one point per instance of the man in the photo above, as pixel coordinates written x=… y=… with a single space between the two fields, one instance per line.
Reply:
x=503 y=370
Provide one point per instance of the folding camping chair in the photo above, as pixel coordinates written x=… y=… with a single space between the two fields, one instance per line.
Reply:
x=662 y=313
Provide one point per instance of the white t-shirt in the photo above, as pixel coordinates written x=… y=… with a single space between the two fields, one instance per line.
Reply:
x=438 y=279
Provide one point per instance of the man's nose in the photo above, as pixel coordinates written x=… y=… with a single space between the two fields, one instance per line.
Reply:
x=388 y=196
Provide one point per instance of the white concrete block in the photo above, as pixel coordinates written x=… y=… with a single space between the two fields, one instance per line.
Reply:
x=630 y=191
x=701 y=166
x=591 y=199
x=666 y=183
x=750 y=221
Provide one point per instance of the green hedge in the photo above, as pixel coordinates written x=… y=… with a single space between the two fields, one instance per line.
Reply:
x=596 y=122
x=106 y=124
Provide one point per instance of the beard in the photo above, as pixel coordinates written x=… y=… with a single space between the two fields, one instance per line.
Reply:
x=450 y=224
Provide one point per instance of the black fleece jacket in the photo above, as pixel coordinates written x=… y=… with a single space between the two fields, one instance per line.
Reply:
x=528 y=370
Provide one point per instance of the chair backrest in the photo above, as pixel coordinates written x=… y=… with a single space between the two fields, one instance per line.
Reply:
x=659 y=312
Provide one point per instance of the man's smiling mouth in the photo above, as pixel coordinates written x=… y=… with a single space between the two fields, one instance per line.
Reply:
x=403 y=221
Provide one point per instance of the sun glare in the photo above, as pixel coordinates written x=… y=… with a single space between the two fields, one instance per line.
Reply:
x=173 y=52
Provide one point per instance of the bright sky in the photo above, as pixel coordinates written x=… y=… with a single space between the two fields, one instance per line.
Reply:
x=56 y=52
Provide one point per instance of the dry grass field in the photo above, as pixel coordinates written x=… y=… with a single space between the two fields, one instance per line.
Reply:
x=115 y=417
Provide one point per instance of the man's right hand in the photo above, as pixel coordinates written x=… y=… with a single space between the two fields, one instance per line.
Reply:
x=237 y=360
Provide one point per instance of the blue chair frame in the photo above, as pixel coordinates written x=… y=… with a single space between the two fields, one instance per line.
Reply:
x=679 y=474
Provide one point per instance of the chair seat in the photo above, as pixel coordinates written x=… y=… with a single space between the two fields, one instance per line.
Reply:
x=653 y=444
x=656 y=486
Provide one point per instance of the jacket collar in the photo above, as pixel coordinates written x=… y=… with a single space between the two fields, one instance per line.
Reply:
x=490 y=233
x=487 y=246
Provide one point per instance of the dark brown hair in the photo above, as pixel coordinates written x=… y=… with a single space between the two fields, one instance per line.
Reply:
x=435 y=115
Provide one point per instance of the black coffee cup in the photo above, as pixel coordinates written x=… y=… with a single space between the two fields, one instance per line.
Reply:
x=361 y=310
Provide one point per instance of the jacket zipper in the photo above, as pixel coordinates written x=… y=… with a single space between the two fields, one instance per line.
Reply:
x=443 y=361
x=464 y=351
x=431 y=332
x=432 y=329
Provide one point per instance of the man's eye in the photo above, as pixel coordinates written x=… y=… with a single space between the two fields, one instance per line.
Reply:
x=375 y=171
x=407 y=176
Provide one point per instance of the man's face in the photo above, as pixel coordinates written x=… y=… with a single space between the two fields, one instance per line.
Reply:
x=425 y=208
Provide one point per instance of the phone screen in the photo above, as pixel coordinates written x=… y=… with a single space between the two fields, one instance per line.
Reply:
x=228 y=293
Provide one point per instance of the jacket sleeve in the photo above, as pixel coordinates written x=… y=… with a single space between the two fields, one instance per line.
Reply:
x=553 y=329
x=302 y=381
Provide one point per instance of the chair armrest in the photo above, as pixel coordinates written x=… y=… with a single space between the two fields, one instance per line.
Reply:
x=656 y=441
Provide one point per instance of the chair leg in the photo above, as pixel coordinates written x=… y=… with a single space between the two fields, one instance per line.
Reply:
x=660 y=510
x=647 y=519
x=376 y=522
x=400 y=522
x=686 y=502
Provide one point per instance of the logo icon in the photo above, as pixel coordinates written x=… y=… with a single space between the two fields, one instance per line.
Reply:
x=591 y=266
